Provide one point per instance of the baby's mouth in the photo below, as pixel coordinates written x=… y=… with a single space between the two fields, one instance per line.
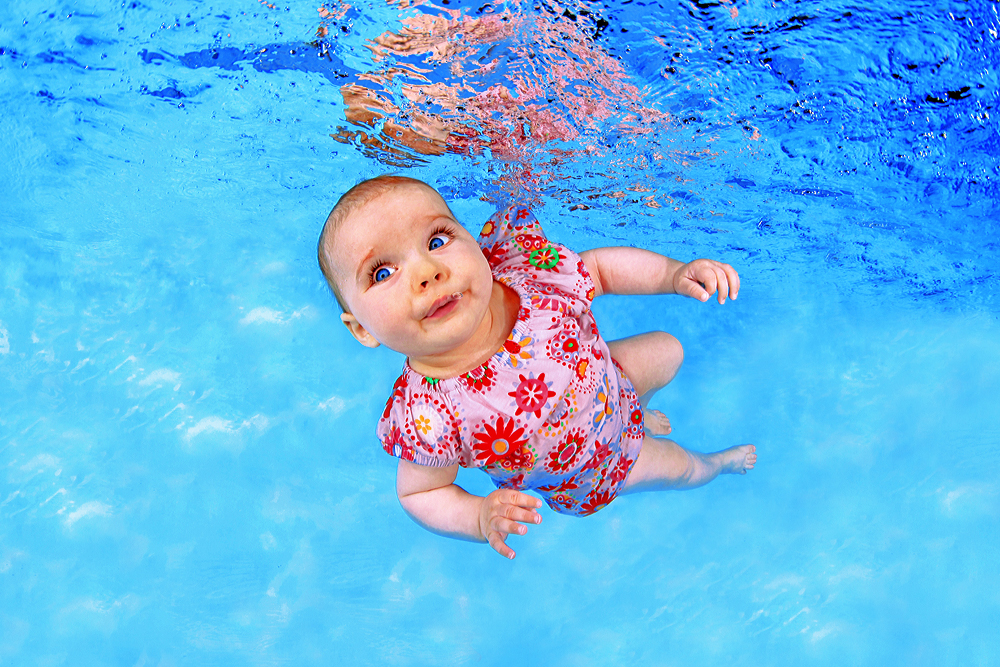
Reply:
x=443 y=305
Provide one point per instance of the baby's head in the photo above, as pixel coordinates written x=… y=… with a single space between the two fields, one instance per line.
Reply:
x=404 y=271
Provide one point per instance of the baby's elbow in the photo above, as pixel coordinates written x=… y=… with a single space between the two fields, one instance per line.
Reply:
x=405 y=501
x=593 y=266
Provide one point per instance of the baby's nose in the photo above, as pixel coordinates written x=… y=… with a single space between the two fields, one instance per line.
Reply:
x=435 y=278
x=429 y=272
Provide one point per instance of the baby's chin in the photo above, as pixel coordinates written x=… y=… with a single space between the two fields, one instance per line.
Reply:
x=460 y=345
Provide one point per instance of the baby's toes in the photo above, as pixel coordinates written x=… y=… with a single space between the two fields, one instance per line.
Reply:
x=656 y=423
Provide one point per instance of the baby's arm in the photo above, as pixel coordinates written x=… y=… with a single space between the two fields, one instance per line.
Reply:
x=431 y=497
x=636 y=271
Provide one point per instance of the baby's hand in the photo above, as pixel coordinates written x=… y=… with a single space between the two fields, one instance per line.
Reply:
x=701 y=279
x=500 y=513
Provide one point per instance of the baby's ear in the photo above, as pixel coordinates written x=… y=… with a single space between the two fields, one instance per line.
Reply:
x=358 y=331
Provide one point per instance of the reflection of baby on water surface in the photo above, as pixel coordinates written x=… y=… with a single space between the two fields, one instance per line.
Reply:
x=491 y=87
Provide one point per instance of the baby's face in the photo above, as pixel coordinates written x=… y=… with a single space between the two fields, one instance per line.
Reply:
x=398 y=261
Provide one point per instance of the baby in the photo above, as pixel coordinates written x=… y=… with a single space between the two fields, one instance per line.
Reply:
x=505 y=367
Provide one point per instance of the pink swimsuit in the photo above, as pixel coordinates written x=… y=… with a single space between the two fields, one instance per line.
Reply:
x=551 y=411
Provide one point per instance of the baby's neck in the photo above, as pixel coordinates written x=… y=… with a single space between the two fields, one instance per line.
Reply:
x=501 y=316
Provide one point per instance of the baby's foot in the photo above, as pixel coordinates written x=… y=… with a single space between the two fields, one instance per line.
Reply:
x=737 y=460
x=656 y=423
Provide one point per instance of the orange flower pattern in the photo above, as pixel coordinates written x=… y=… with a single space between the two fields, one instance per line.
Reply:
x=550 y=412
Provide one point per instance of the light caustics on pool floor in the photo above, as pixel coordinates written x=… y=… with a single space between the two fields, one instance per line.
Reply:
x=187 y=467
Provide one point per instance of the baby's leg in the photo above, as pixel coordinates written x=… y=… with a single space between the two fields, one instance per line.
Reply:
x=650 y=361
x=663 y=464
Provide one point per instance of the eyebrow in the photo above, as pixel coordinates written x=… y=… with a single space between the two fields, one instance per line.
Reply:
x=371 y=251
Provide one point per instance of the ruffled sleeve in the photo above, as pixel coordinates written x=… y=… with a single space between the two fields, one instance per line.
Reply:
x=518 y=250
x=420 y=425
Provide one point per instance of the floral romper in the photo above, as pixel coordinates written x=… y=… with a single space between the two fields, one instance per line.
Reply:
x=551 y=411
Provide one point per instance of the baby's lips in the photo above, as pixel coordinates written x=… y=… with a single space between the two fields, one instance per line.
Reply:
x=442 y=301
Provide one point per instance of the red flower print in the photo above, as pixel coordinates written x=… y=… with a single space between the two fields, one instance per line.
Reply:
x=529 y=242
x=395 y=437
x=521 y=214
x=564 y=347
x=581 y=368
x=497 y=442
x=516 y=482
x=636 y=417
x=488 y=229
x=517 y=349
x=397 y=392
x=563 y=500
x=544 y=258
x=493 y=253
x=595 y=502
x=395 y=445
x=566 y=453
x=601 y=454
x=548 y=303
x=620 y=471
x=512 y=346
x=566 y=485
x=531 y=395
x=519 y=459
x=479 y=379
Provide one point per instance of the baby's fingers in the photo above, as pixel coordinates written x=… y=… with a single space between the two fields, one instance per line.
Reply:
x=496 y=540
x=504 y=512
x=508 y=526
x=508 y=519
x=517 y=498
x=734 y=281
x=722 y=280
x=708 y=277
x=519 y=506
x=709 y=283
x=500 y=528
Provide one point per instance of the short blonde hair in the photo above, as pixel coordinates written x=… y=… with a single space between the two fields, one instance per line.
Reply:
x=351 y=201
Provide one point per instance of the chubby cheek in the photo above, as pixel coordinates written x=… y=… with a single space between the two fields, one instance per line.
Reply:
x=381 y=318
x=483 y=278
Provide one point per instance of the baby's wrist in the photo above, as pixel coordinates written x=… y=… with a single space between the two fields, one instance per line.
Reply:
x=481 y=521
x=674 y=270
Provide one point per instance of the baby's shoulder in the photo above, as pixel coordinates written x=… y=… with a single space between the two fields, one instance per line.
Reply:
x=507 y=224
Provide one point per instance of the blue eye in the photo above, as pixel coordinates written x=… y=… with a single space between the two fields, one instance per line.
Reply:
x=382 y=273
x=437 y=241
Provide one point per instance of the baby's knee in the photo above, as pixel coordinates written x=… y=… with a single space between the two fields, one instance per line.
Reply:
x=671 y=349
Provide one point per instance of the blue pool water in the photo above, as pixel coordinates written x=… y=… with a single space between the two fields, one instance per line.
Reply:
x=188 y=473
